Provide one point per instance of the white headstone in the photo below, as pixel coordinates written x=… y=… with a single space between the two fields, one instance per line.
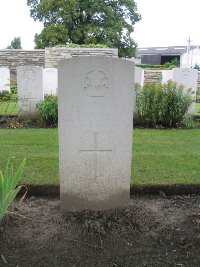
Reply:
x=50 y=81
x=4 y=79
x=30 y=89
x=167 y=75
x=139 y=76
x=188 y=77
x=95 y=132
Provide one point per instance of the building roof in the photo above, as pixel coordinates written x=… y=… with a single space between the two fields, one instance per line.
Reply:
x=166 y=50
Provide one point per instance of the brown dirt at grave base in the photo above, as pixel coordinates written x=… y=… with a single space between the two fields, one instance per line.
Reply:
x=150 y=231
x=14 y=122
x=174 y=189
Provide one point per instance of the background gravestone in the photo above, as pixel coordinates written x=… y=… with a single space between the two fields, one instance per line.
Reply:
x=30 y=89
x=139 y=79
x=95 y=132
x=50 y=81
x=187 y=77
x=139 y=76
x=4 y=79
x=167 y=75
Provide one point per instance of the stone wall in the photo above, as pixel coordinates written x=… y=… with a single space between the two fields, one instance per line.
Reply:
x=49 y=57
x=54 y=55
x=12 y=58
x=152 y=76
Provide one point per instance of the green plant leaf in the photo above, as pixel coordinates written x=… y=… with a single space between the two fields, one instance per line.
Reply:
x=8 y=183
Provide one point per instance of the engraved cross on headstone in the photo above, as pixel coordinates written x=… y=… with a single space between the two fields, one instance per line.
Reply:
x=95 y=151
x=29 y=99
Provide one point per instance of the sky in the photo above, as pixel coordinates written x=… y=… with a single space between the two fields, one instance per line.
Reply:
x=164 y=23
x=167 y=22
x=15 y=21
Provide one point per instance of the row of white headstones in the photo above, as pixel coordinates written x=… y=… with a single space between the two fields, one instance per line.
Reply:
x=50 y=80
x=185 y=76
x=95 y=119
x=35 y=82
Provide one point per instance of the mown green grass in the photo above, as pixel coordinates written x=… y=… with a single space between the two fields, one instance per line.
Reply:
x=159 y=156
x=39 y=146
x=166 y=157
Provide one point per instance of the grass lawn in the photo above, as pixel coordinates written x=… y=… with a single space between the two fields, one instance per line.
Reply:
x=166 y=156
x=39 y=146
x=159 y=156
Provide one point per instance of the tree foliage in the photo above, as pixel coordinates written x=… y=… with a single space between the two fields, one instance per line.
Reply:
x=108 y=22
x=15 y=43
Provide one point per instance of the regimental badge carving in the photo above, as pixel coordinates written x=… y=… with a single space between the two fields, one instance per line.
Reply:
x=96 y=83
x=186 y=74
x=29 y=75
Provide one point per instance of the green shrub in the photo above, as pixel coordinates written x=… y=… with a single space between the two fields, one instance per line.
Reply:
x=150 y=67
x=187 y=123
x=48 y=110
x=167 y=66
x=161 y=104
x=175 y=104
x=8 y=186
x=148 y=104
x=197 y=67
x=13 y=88
x=5 y=95
x=72 y=45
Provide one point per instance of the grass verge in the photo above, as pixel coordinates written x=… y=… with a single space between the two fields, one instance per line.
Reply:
x=159 y=156
x=166 y=157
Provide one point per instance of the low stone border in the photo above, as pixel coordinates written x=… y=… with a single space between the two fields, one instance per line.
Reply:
x=169 y=190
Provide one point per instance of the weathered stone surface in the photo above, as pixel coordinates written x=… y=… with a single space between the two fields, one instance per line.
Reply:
x=167 y=75
x=139 y=76
x=152 y=76
x=188 y=77
x=50 y=81
x=95 y=132
x=55 y=54
x=30 y=89
x=4 y=79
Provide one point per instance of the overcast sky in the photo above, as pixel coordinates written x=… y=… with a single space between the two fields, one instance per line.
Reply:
x=164 y=22
x=167 y=22
x=15 y=21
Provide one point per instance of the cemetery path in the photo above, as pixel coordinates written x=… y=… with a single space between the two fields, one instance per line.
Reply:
x=150 y=231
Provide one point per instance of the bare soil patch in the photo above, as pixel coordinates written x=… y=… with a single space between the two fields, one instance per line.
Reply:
x=150 y=231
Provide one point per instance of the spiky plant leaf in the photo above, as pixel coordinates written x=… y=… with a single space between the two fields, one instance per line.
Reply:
x=8 y=186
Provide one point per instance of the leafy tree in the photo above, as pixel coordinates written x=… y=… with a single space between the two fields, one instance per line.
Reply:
x=108 y=22
x=15 y=43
